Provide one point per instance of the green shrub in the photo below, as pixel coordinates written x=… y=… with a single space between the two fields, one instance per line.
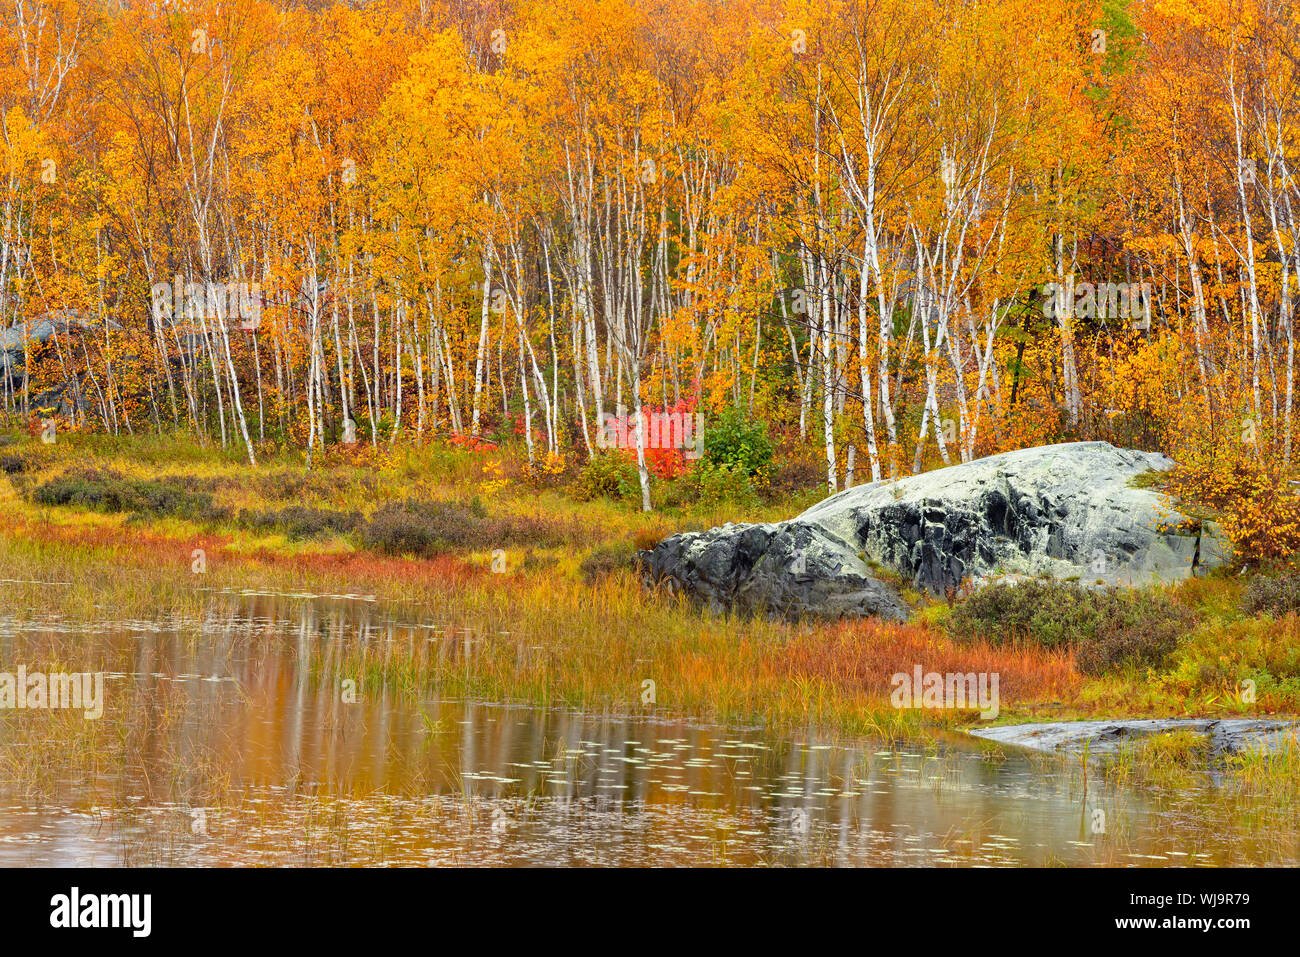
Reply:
x=1108 y=628
x=301 y=522
x=384 y=431
x=425 y=528
x=1273 y=595
x=710 y=485
x=12 y=464
x=610 y=475
x=107 y=491
x=1222 y=657
x=91 y=488
x=738 y=441
x=1050 y=612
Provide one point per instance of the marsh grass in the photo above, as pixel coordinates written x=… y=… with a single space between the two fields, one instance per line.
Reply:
x=1272 y=774
x=1181 y=750
x=541 y=636
x=567 y=622
x=50 y=755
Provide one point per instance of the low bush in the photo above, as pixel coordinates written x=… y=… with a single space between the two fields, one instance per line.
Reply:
x=1217 y=661
x=425 y=528
x=302 y=522
x=547 y=471
x=608 y=559
x=1275 y=595
x=1145 y=641
x=738 y=441
x=1108 y=628
x=108 y=491
x=607 y=476
x=92 y=488
x=297 y=486
x=797 y=478
x=709 y=485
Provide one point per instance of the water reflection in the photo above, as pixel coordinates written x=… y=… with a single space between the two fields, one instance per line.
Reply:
x=241 y=749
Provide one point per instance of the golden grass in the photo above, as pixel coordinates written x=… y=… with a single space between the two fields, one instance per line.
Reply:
x=587 y=645
x=539 y=634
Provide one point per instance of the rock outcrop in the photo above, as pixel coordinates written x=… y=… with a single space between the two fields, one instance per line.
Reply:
x=1069 y=511
x=1224 y=735
x=789 y=569
x=26 y=338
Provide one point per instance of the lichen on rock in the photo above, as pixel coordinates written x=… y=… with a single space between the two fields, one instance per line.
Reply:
x=1070 y=511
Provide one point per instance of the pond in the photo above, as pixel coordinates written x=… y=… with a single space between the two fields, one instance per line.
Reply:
x=234 y=740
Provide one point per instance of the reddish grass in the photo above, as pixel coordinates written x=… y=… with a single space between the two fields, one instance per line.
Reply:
x=135 y=541
x=362 y=566
x=864 y=655
x=142 y=547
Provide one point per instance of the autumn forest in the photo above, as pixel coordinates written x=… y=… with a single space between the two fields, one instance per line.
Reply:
x=903 y=232
x=649 y=432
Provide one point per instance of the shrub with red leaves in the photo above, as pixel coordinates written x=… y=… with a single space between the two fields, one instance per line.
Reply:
x=666 y=460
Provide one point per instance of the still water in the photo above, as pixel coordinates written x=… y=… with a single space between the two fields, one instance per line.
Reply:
x=228 y=741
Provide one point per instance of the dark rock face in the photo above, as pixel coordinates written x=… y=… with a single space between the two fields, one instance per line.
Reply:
x=1067 y=511
x=788 y=570
x=938 y=543
x=25 y=337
